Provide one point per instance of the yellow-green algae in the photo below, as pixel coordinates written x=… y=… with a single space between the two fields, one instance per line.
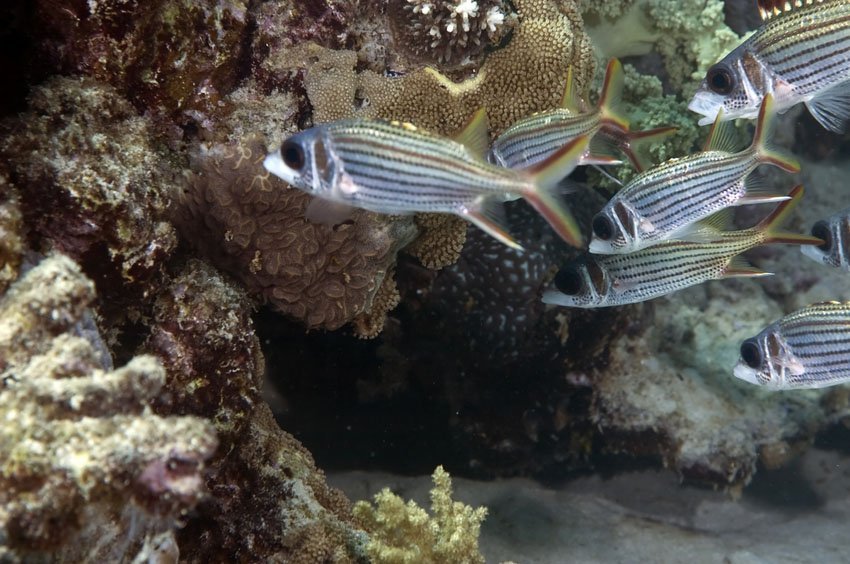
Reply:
x=404 y=533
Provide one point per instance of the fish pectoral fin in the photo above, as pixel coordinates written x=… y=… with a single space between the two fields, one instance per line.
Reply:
x=489 y=215
x=327 y=212
x=723 y=135
x=738 y=267
x=831 y=108
x=708 y=230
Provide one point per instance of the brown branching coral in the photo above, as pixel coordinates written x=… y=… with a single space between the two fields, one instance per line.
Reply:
x=449 y=32
x=253 y=226
x=86 y=470
x=91 y=181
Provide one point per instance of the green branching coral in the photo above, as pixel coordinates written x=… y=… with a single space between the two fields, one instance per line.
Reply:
x=402 y=533
x=691 y=35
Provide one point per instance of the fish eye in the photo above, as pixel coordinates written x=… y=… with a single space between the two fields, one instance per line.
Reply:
x=603 y=228
x=569 y=281
x=720 y=79
x=821 y=230
x=293 y=155
x=751 y=353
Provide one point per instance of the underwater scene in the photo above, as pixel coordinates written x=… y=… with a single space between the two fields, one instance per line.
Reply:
x=425 y=281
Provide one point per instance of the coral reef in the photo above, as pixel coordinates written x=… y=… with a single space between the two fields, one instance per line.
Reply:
x=252 y=225
x=440 y=241
x=165 y=55
x=88 y=471
x=11 y=233
x=526 y=75
x=690 y=35
x=449 y=32
x=93 y=183
x=404 y=532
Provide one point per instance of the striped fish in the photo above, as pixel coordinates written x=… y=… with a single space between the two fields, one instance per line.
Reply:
x=397 y=168
x=666 y=201
x=800 y=54
x=532 y=139
x=611 y=280
x=809 y=348
x=835 y=232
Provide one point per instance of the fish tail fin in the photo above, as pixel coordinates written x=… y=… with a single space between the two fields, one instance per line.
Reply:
x=763 y=145
x=611 y=97
x=770 y=225
x=638 y=143
x=543 y=187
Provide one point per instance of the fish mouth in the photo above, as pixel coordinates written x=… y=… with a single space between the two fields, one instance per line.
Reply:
x=703 y=104
x=812 y=252
x=745 y=373
x=600 y=247
x=275 y=165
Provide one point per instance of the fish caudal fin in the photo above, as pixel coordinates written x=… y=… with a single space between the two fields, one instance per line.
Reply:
x=763 y=142
x=770 y=225
x=489 y=216
x=542 y=192
x=637 y=144
x=611 y=97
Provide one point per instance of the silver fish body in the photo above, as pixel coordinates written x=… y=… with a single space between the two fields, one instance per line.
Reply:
x=835 y=232
x=396 y=168
x=800 y=55
x=532 y=139
x=809 y=348
x=610 y=280
x=666 y=201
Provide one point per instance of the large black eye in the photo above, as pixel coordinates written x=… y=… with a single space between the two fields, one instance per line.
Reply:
x=603 y=228
x=720 y=79
x=821 y=230
x=751 y=353
x=569 y=281
x=293 y=155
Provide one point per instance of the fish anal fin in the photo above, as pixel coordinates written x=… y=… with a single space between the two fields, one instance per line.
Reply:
x=738 y=267
x=489 y=215
x=723 y=136
x=756 y=192
x=475 y=136
x=327 y=212
x=831 y=108
x=601 y=151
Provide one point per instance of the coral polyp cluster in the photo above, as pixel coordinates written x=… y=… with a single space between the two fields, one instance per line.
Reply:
x=449 y=32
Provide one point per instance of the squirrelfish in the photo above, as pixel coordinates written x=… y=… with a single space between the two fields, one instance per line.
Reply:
x=666 y=201
x=610 y=280
x=809 y=348
x=397 y=168
x=835 y=232
x=533 y=139
x=800 y=54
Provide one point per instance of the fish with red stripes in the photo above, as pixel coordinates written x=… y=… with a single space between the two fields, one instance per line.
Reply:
x=800 y=54
x=398 y=168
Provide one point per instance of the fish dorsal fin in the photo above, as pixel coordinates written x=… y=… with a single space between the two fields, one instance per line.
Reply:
x=722 y=136
x=771 y=8
x=475 y=135
x=571 y=101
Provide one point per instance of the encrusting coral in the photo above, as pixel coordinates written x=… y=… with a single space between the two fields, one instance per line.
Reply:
x=92 y=182
x=11 y=234
x=87 y=471
x=403 y=533
x=252 y=225
x=268 y=500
